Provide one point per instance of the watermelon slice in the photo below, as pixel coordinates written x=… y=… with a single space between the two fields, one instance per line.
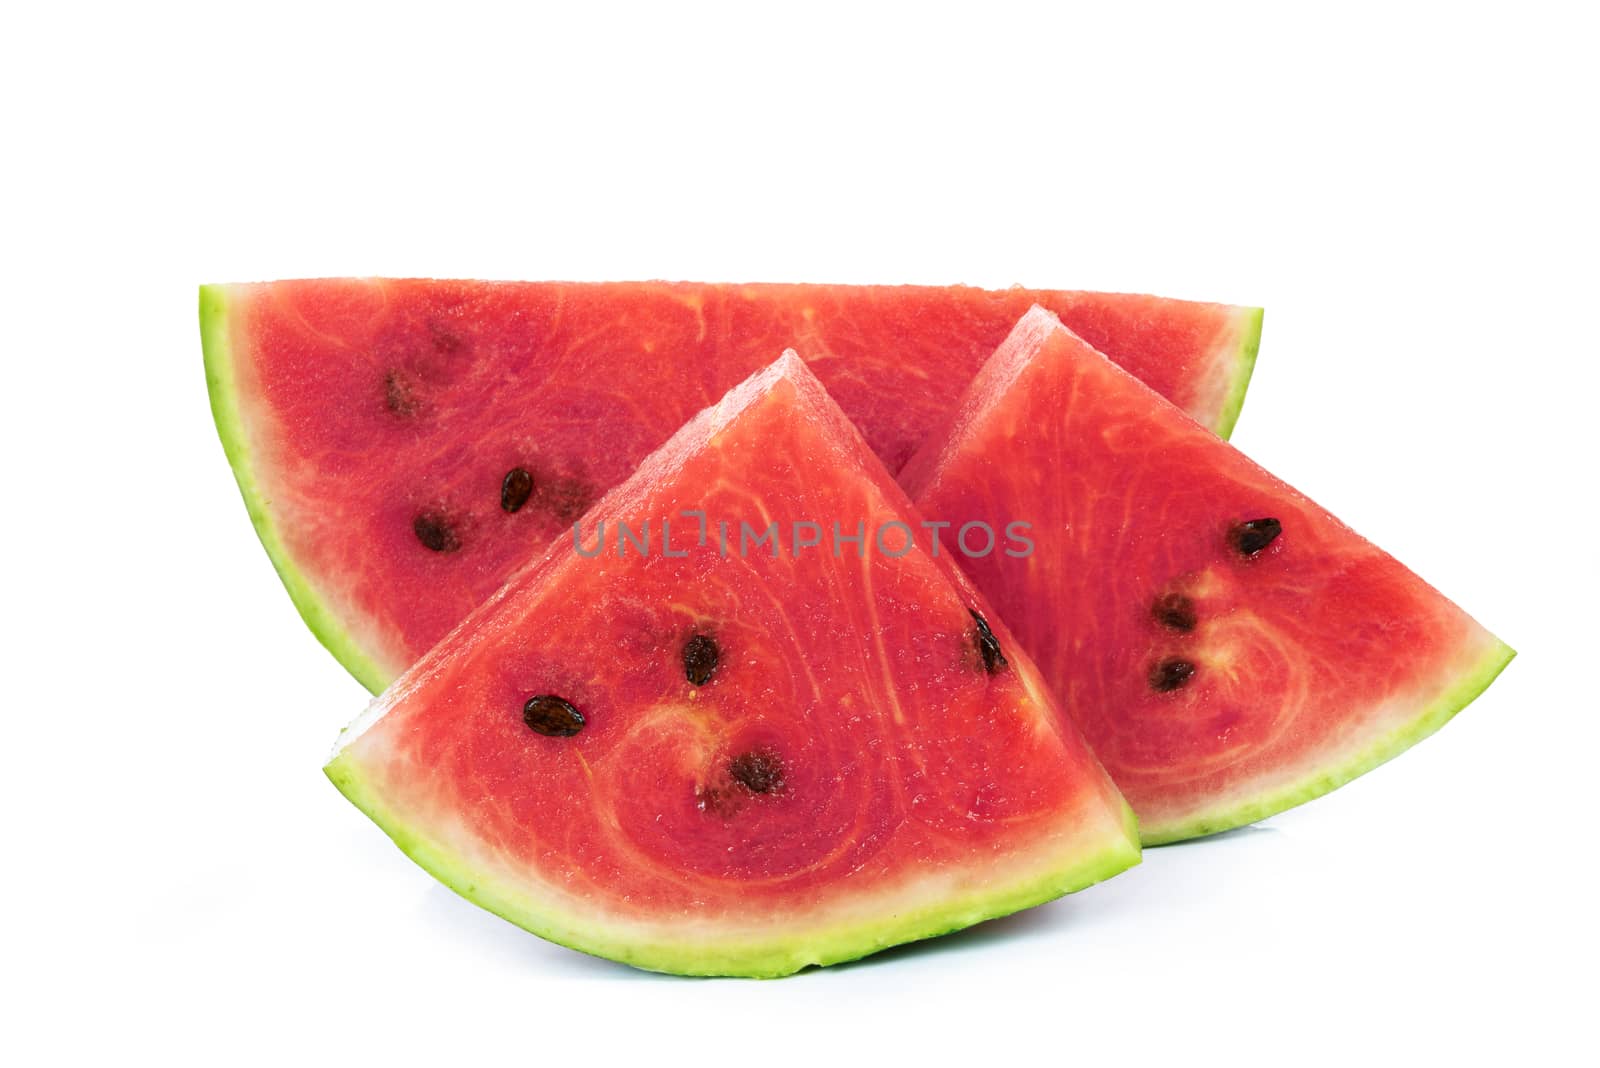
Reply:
x=746 y=760
x=403 y=446
x=1228 y=648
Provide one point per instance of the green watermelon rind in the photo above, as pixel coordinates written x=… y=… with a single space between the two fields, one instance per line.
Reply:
x=1470 y=685
x=697 y=954
x=223 y=388
x=1244 y=365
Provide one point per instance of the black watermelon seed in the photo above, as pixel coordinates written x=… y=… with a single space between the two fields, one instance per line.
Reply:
x=1171 y=673
x=1176 y=612
x=759 y=772
x=700 y=655
x=398 y=394
x=1253 y=536
x=552 y=716
x=435 y=532
x=988 y=645
x=515 y=489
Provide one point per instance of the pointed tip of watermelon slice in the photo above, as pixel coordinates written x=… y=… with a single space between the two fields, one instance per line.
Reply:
x=217 y=314
x=1468 y=686
x=1243 y=365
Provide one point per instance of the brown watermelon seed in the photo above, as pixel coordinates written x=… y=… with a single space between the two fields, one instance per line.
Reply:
x=758 y=771
x=552 y=716
x=399 y=396
x=1170 y=674
x=988 y=645
x=1176 y=612
x=515 y=489
x=1253 y=536
x=435 y=532
x=700 y=656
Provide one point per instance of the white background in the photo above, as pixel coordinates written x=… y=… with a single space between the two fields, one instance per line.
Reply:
x=1410 y=193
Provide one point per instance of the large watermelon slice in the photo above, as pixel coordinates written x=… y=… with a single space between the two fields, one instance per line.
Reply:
x=1229 y=648
x=404 y=445
x=743 y=761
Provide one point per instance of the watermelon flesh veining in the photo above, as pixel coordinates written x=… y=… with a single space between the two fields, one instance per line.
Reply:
x=403 y=446
x=740 y=762
x=1229 y=648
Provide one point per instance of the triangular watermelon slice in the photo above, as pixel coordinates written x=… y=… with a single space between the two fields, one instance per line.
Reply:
x=403 y=446
x=744 y=759
x=1228 y=648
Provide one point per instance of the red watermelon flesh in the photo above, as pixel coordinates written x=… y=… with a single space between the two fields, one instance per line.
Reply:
x=756 y=762
x=383 y=431
x=1228 y=648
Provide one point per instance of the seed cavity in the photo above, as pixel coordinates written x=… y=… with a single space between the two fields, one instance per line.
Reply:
x=1255 y=535
x=700 y=655
x=552 y=716
x=759 y=771
x=435 y=532
x=399 y=395
x=515 y=489
x=566 y=498
x=1175 y=612
x=445 y=342
x=988 y=645
x=1170 y=674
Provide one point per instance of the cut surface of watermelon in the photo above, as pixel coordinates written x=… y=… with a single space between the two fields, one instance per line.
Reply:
x=1228 y=647
x=403 y=446
x=739 y=761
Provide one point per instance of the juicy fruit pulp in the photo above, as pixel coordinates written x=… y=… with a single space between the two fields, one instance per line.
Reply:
x=743 y=762
x=1229 y=648
x=403 y=446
